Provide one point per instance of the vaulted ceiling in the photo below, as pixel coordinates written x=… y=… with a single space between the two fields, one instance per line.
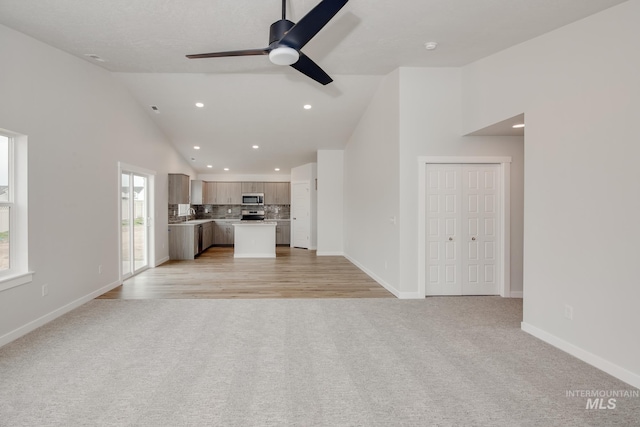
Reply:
x=248 y=100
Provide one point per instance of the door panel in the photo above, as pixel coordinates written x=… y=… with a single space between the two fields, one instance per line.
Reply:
x=301 y=215
x=134 y=223
x=462 y=216
x=443 y=217
x=481 y=208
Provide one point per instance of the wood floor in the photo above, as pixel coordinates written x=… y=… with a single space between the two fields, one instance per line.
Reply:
x=294 y=273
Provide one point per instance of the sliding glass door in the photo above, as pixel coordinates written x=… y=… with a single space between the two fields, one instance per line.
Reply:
x=134 y=222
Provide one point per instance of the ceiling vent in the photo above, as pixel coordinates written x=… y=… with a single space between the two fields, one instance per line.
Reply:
x=155 y=109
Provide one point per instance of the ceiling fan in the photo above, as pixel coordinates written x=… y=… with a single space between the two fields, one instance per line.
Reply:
x=287 y=38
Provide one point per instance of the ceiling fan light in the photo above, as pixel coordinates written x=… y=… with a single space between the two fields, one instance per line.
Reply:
x=284 y=56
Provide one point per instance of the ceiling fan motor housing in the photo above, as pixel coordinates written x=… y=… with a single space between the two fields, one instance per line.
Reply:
x=278 y=29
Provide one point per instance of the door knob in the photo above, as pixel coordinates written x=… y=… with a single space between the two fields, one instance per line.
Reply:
x=473 y=238
x=450 y=238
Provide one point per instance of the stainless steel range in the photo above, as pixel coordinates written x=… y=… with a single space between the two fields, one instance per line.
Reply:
x=252 y=215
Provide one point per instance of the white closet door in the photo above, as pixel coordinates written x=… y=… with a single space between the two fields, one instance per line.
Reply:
x=462 y=229
x=443 y=230
x=480 y=213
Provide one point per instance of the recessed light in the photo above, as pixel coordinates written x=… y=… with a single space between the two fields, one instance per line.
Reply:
x=307 y=107
x=196 y=147
x=518 y=126
x=255 y=147
x=209 y=166
x=430 y=45
x=199 y=104
x=277 y=169
x=226 y=169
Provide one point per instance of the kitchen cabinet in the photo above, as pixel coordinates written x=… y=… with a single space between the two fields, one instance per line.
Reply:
x=228 y=193
x=283 y=233
x=253 y=187
x=203 y=192
x=209 y=193
x=224 y=233
x=207 y=235
x=178 y=189
x=183 y=242
x=277 y=193
x=197 y=192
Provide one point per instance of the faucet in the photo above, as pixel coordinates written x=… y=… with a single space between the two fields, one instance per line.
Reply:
x=192 y=211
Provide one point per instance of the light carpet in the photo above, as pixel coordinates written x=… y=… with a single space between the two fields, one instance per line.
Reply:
x=457 y=361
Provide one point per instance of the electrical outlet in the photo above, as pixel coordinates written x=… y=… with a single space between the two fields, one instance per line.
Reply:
x=568 y=312
x=45 y=290
x=100 y=269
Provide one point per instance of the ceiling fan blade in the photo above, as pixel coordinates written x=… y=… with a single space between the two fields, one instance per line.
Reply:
x=309 y=68
x=300 y=34
x=246 y=52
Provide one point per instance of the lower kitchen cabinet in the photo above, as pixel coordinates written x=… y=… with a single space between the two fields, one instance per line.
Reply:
x=223 y=234
x=183 y=242
x=186 y=241
x=207 y=235
x=283 y=233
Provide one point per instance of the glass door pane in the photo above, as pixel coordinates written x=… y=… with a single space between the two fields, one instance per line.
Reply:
x=127 y=268
x=139 y=222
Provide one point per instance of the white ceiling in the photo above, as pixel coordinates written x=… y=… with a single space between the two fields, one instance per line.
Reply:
x=250 y=101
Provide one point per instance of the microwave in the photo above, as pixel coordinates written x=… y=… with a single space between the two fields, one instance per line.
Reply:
x=253 y=199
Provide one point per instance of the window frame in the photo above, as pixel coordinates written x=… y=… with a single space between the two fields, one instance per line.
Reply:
x=18 y=272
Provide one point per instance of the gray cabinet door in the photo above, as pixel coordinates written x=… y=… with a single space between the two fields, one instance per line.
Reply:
x=277 y=193
x=228 y=193
x=252 y=187
x=178 y=189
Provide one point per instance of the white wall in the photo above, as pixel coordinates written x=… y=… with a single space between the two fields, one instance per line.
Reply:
x=308 y=173
x=579 y=89
x=330 y=202
x=416 y=112
x=80 y=123
x=371 y=187
x=430 y=125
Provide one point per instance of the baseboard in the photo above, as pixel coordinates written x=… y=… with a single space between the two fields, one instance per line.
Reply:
x=329 y=253
x=161 y=261
x=515 y=294
x=411 y=295
x=35 y=324
x=381 y=282
x=612 y=369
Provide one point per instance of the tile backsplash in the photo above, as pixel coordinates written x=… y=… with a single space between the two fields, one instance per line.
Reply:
x=228 y=212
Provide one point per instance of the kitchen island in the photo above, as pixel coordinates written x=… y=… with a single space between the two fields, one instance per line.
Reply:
x=255 y=239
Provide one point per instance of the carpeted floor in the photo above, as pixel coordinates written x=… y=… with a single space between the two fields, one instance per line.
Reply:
x=458 y=361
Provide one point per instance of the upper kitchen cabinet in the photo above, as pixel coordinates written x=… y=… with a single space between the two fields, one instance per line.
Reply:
x=197 y=192
x=209 y=192
x=253 y=187
x=203 y=192
x=178 y=189
x=277 y=193
x=228 y=193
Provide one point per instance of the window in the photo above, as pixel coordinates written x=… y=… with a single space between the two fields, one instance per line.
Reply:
x=13 y=211
x=6 y=204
